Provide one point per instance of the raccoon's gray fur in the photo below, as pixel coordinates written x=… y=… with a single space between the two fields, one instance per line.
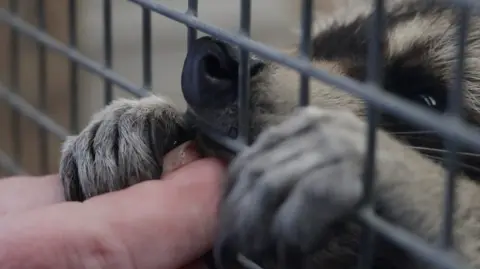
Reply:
x=298 y=182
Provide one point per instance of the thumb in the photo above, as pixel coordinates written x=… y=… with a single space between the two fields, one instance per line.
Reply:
x=155 y=224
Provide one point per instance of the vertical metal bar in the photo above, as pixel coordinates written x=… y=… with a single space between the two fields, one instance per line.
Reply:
x=306 y=43
x=42 y=88
x=374 y=76
x=14 y=82
x=455 y=104
x=192 y=32
x=72 y=37
x=244 y=76
x=107 y=22
x=147 y=47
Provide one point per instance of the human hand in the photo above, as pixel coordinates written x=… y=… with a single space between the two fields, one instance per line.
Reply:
x=166 y=223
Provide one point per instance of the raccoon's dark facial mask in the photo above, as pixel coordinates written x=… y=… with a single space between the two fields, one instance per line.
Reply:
x=420 y=85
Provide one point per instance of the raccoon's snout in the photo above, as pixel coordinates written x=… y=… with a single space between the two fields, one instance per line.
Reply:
x=210 y=73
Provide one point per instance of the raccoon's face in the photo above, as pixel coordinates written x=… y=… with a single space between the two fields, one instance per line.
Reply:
x=418 y=63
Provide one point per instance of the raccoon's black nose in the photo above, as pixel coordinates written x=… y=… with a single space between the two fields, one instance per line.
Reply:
x=210 y=73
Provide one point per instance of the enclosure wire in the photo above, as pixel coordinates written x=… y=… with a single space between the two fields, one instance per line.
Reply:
x=9 y=165
x=244 y=76
x=147 y=48
x=192 y=32
x=382 y=100
x=14 y=84
x=29 y=111
x=450 y=126
x=305 y=49
x=42 y=89
x=107 y=47
x=74 y=55
x=369 y=91
x=454 y=110
x=376 y=39
x=73 y=72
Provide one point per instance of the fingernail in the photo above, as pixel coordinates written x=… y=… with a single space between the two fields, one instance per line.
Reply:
x=180 y=156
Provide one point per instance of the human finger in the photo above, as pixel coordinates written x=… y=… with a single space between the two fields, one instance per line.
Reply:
x=21 y=193
x=155 y=224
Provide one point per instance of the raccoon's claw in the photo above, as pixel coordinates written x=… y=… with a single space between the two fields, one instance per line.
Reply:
x=287 y=189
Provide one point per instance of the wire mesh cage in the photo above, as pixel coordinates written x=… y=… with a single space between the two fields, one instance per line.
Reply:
x=450 y=126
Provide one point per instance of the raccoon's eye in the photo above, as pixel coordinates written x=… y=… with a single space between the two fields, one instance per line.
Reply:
x=432 y=99
x=428 y=100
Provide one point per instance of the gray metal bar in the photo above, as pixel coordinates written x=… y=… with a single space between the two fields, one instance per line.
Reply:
x=147 y=47
x=244 y=76
x=6 y=163
x=42 y=88
x=455 y=106
x=72 y=54
x=415 y=114
x=29 y=111
x=72 y=38
x=305 y=49
x=107 y=47
x=14 y=83
x=412 y=243
x=374 y=77
x=192 y=32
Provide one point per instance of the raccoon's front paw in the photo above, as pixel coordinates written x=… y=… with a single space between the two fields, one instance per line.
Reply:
x=291 y=185
x=122 y=145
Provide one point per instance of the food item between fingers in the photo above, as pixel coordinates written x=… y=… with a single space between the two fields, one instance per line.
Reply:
x=180 y=156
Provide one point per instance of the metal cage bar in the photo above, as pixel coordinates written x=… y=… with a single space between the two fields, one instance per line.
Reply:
x=374 y=77
x=14 y=83
x=383 y=100
x=453 y=130
x=107 y=49
x=244 y=76
x=147 y=48
x=454 y=110
x=192 y=32
x=42 y=86
x=73 y=72
x=305 y=47
x=71 y=53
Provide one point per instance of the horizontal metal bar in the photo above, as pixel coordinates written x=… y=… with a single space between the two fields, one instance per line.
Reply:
x=19 y=104
x=7 y=164
x=448 y=127
x=25 y=28
x=411 y=243
x=472 y=5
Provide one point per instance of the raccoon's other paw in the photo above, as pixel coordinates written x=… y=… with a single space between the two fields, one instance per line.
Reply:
x=291 y=185
x=122 y=145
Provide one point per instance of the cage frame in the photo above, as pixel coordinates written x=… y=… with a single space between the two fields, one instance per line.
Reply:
x=450 y=126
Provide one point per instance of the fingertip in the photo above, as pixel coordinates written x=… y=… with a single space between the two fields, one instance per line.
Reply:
x=202 y=168
x=21 y=193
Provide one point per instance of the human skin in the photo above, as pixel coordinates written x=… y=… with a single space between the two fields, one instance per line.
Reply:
x=166 y=223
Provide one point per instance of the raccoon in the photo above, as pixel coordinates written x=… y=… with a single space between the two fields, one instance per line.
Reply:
x=293 y=192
